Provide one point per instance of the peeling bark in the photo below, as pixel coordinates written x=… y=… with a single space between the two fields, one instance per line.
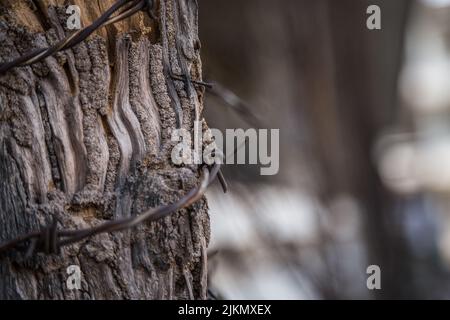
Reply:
x=85 y=137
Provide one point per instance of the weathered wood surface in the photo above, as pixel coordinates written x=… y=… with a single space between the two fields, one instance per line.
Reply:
x=85 y=136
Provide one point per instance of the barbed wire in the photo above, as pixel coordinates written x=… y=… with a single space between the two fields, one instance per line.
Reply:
x=50 y=239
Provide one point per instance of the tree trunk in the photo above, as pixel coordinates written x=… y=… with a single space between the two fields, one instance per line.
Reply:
x=85 y=137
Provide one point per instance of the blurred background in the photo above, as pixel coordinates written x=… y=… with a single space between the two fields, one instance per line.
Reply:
x=364 y=119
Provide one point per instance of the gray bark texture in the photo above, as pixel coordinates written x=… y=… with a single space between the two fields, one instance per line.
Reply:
x=85 y=136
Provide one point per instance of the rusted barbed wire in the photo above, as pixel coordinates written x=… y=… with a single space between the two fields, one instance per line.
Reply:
x=50 y=239
x=128 y=9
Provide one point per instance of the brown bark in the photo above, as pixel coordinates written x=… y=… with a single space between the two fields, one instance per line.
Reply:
x=85 y=137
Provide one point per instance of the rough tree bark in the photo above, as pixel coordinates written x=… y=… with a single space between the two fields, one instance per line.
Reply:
x=85 y=137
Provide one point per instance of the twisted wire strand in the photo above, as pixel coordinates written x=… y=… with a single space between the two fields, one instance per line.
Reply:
x=128 y=7
x=50 y=239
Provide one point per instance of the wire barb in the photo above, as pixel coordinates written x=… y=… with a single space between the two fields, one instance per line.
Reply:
x=196 y=82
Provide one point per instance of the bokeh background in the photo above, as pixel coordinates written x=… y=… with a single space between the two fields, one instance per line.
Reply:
x=364 y=119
